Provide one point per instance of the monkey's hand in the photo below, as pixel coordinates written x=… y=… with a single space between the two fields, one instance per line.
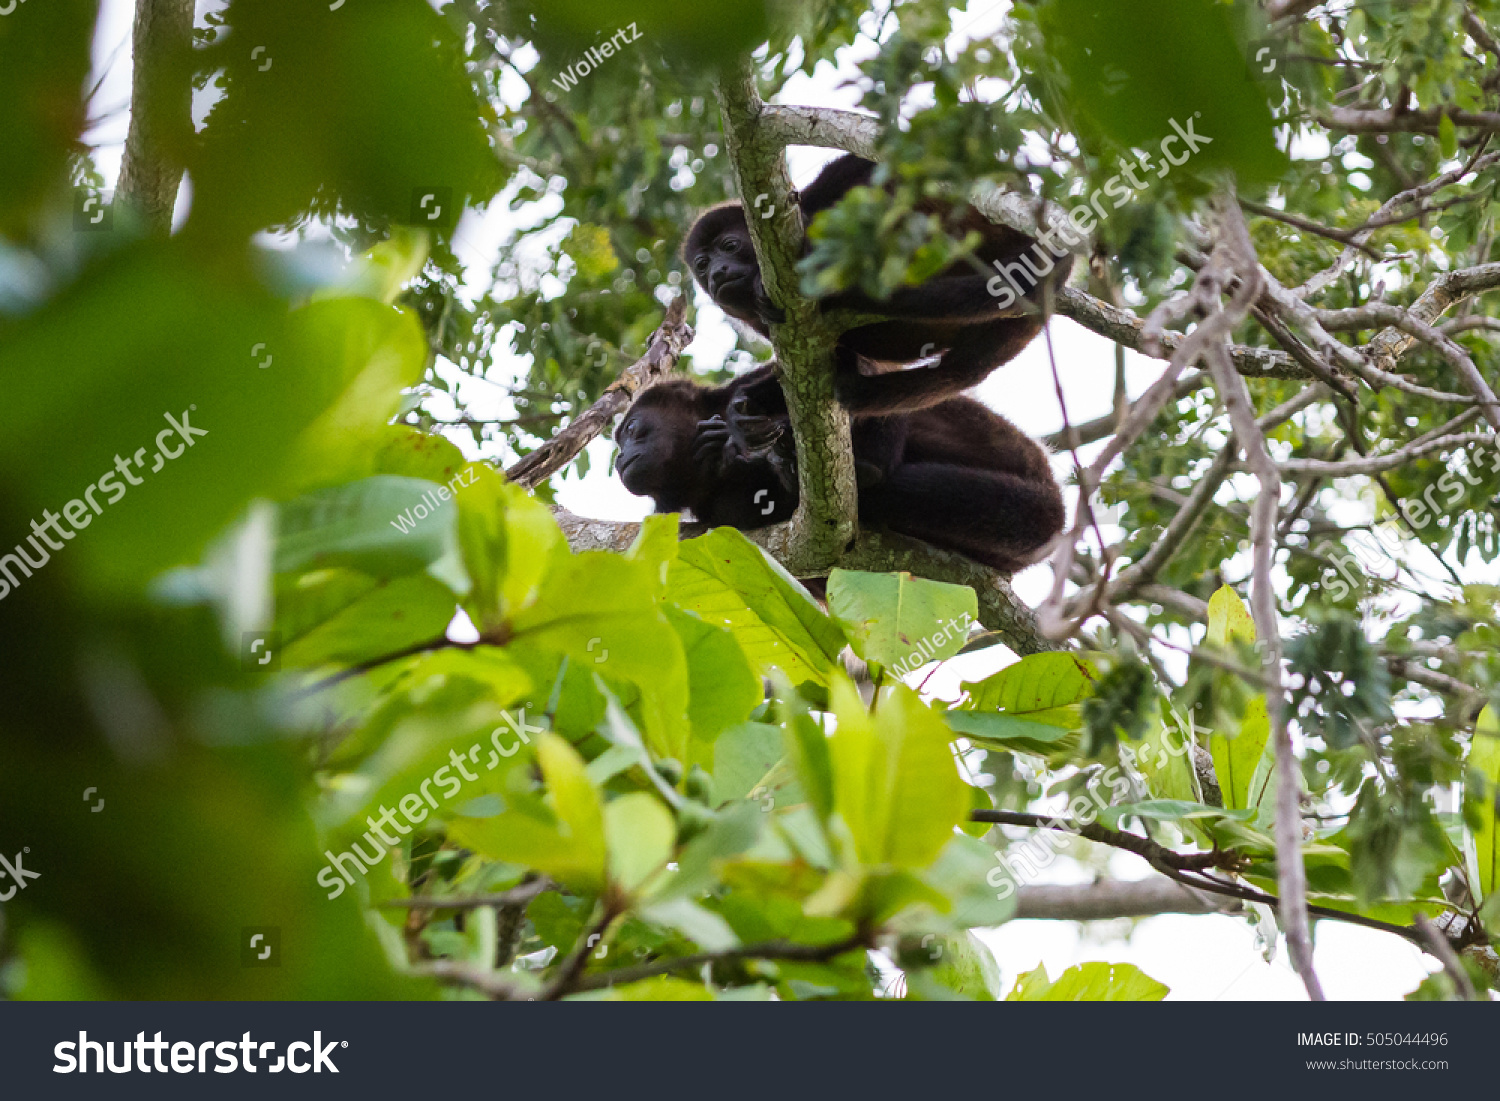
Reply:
x=715 y=446
x=754 y=431
x=766 y=438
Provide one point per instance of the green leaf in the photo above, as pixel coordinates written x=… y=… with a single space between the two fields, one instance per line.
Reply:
x=744 y=757
x=656 y=544
x=808 y=748
x=641 y=834
x=703 y=927
x=152 y=368
x=1484 y=770
x=896 y=784
x=1006 y=732
x=1241 y=761
x=599 y=609
x=1447 y=137
x=661 y=988
x=1164 y=758
x=963 y=966
x=728 y=580
x=1131 y=84
x=1228 y=619
x=382 y=526
x=1033 y=686
x=722 y=688
x=1089 y=982
x=384 y=619
x=569 y=846
x=901 y=621
x=959 y=875
x=509 y=540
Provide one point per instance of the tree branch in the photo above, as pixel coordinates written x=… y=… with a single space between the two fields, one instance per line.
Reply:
x=161 y=110
x=662 y=353
x=1109 y=899
x=826 y=519
x=1290 y=874
x=826 y=127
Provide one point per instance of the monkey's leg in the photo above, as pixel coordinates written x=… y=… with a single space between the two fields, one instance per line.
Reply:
x=990 y=516
x=967 y=363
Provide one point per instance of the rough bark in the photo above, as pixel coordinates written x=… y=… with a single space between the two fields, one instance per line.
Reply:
x=161 y=111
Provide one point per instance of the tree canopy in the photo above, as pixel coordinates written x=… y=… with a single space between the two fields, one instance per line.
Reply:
x=333 y=674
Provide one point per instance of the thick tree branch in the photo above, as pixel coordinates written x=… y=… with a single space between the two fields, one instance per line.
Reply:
x=1109 y=899
x=826 y=520
x=826 y=127
x=161 y=110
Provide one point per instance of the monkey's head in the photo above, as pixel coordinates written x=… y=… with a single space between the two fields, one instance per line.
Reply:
x=719 y=254
x=656 y=445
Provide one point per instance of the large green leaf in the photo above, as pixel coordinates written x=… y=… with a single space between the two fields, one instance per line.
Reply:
x=302 y=118
x=722 y=688
x=1164 y=757
x=509 y=540
x=1034 y=687
x=176 y=424
x=382 y=526
x=1484 y=772
x=1089 y=982
x=44 y=65
x=895 y=780
x=1030 y=706
x=728 y=580
x=899 y=620
x=600 y=610
x=744 y=757
x=1229 y=620
x=962 y=965
x=1241 y=763
x=391 y=616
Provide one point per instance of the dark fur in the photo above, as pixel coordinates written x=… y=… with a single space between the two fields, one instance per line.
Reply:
x=955 y=474
x=955 y=313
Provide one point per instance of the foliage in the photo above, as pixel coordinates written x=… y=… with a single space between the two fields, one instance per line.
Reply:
x=260 y=669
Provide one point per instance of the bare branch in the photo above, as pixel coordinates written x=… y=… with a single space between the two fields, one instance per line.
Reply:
x=1438 y=945
x=661 y=357
x=1290 y=874
x=1114 y=898
x=826 y=127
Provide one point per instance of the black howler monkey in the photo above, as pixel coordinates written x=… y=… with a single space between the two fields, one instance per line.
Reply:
x=954 y=474
x=976 y=320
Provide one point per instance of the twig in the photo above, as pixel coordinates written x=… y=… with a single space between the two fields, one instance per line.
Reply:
x=524 y=893
x=1158 y=856
x=1438 y=945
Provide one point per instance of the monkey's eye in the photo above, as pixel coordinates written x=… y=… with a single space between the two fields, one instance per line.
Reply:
x=731 y=245
x=701 y=264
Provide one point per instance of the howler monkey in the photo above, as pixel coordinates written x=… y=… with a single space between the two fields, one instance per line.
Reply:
x=976 y=320
x=954 y=474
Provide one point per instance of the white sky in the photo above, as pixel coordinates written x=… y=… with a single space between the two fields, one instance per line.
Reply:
x=1200 y=957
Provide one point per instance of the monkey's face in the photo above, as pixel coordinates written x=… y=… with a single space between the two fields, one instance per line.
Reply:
x=655 y=457
x=725 y=266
